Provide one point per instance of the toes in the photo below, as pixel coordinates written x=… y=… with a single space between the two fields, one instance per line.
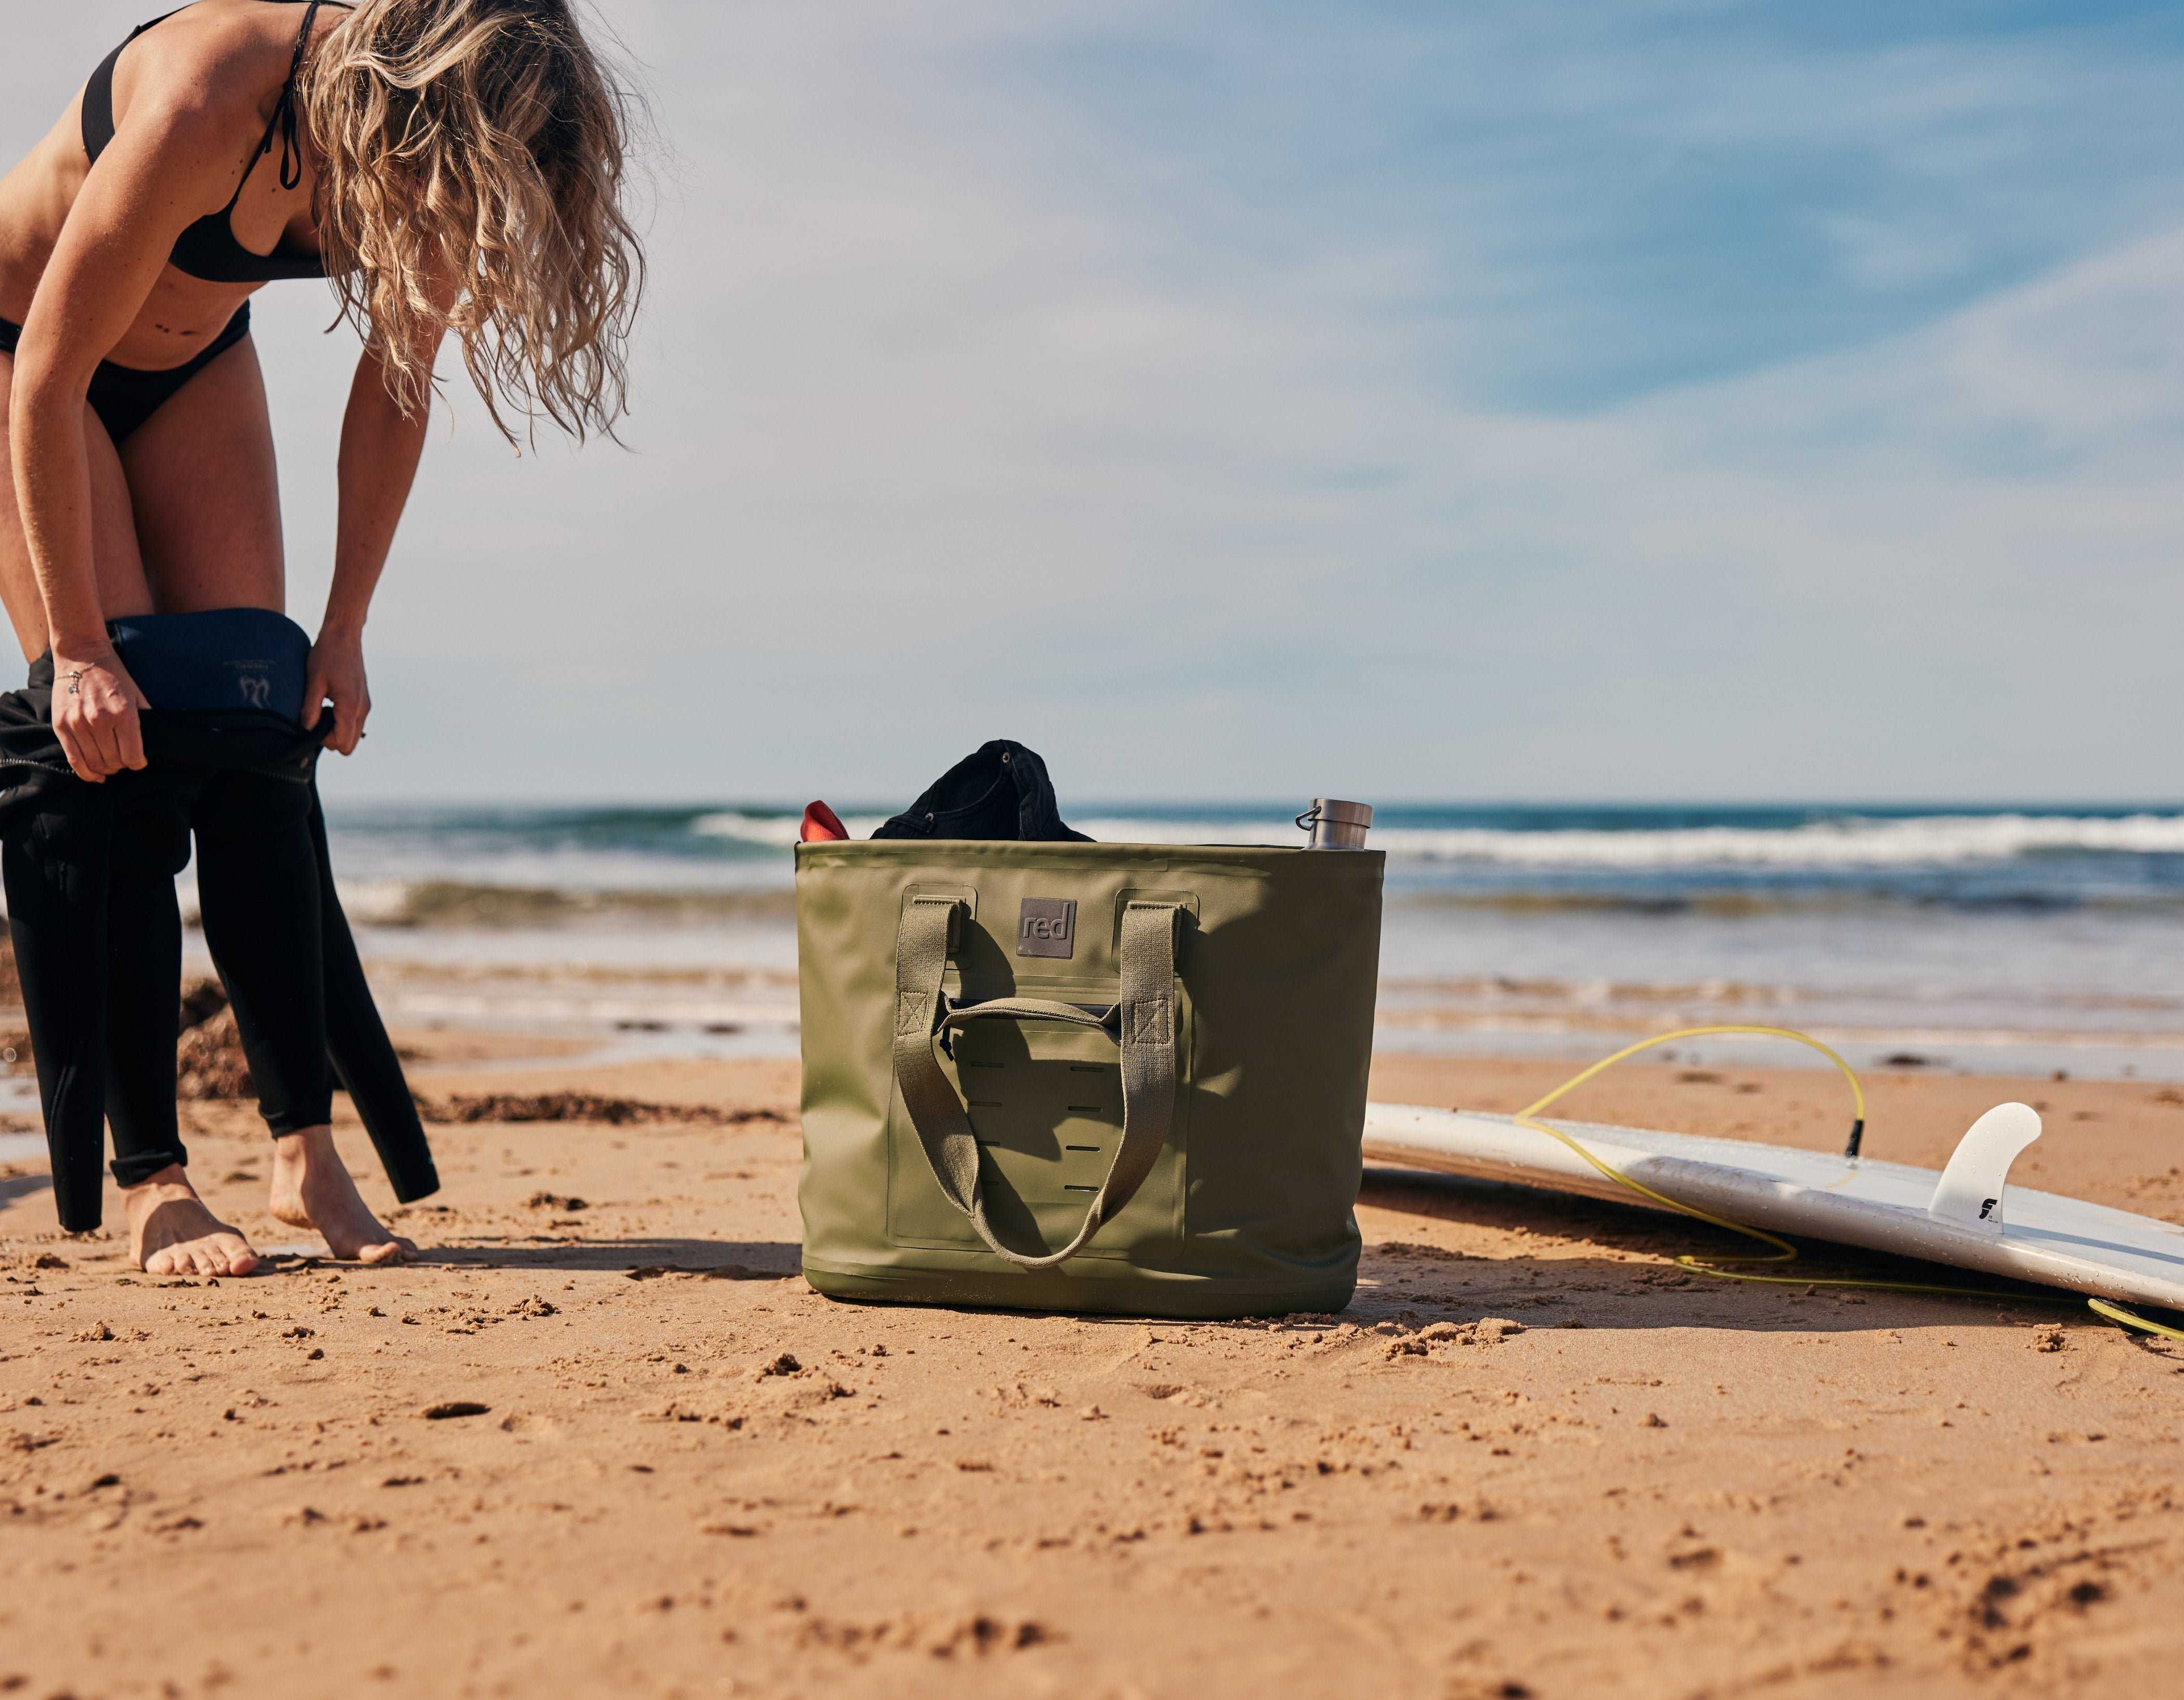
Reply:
x=387 y=1252
x=161 y=1262
x=234 y=1251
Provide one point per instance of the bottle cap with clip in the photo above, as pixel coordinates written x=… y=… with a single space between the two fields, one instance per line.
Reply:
x=1335 y=824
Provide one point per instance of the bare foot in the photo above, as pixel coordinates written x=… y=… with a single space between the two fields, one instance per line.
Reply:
x=312 y=1189
x=171 y=1231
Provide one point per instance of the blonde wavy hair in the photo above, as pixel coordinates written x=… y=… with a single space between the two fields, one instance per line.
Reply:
x=479 y=144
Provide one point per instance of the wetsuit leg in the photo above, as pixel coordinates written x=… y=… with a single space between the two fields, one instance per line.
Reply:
x=54 y=864
x=150 y=844
x=258 y=892
x=363 y=1055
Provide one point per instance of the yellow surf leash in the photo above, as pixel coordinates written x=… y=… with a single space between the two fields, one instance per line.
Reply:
x=2116 y=1313
x=1783 y=1251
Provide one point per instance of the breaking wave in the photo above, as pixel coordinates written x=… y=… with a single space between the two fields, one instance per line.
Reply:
x=1844 y=841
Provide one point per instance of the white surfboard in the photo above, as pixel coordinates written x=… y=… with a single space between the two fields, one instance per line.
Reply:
x=1965 y=1215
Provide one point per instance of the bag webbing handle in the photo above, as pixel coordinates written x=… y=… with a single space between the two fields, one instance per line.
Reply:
x=1032 y=1010
x=1146 y=1028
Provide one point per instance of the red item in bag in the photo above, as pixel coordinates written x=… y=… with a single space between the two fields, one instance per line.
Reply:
x=822 y=826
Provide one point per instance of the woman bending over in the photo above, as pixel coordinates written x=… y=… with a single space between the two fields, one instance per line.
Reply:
x=450 y=165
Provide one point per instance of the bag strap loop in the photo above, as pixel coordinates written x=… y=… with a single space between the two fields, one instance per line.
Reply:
x=1145 y=1025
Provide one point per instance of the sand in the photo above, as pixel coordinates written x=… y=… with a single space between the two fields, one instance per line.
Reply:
x=608 y=1443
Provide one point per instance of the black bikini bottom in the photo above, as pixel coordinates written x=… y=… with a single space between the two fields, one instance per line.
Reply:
x=123 y=396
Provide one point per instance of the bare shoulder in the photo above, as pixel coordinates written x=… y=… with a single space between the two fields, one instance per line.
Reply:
x=201 y=81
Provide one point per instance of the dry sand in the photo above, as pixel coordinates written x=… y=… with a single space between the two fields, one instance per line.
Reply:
x=1533 y=1457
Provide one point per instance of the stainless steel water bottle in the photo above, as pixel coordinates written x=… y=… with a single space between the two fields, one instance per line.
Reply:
x=1335 y=824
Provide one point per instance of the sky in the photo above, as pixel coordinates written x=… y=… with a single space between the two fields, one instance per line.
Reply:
x=1638 y=401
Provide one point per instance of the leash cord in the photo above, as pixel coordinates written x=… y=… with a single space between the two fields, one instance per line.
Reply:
x=1782 y=1251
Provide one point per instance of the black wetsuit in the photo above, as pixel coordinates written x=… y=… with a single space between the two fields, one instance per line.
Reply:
x=89 y=872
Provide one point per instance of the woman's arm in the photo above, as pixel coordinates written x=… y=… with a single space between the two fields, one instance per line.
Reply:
x=380 y=450
x=163 y=169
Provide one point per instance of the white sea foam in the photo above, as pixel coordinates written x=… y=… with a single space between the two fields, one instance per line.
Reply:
x=1925 y=840
x=779 y=832
x=1849 y=841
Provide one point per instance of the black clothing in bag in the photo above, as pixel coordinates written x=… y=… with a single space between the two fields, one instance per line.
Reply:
x=1001 y=790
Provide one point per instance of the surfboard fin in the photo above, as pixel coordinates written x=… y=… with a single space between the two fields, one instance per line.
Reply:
x=1971 y=1191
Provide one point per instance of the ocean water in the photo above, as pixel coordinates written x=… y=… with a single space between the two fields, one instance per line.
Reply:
x=2019 y=938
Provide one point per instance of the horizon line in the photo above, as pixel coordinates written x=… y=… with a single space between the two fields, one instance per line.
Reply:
x=1286 y=807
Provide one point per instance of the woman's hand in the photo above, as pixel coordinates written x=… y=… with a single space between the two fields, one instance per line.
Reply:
x=336 y=675
x=95 y=704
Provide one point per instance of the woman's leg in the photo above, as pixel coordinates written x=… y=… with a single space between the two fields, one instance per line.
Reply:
x=257 y=894
x=171 y=1231
x=258 y=888
x=207 y=501
x=147 y=844
x=123 y=588
x=205 y=493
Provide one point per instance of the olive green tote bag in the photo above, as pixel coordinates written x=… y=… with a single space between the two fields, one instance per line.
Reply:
x=1085 y=1077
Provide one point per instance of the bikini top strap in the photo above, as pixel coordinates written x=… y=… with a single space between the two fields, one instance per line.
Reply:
x=97 y=124
x=284 y=113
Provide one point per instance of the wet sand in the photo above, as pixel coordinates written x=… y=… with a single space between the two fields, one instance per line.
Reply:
x=607 y=1442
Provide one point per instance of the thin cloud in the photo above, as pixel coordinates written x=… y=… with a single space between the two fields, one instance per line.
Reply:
x=1656 y=400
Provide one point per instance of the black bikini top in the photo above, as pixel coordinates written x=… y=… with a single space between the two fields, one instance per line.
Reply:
x=208 y=248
